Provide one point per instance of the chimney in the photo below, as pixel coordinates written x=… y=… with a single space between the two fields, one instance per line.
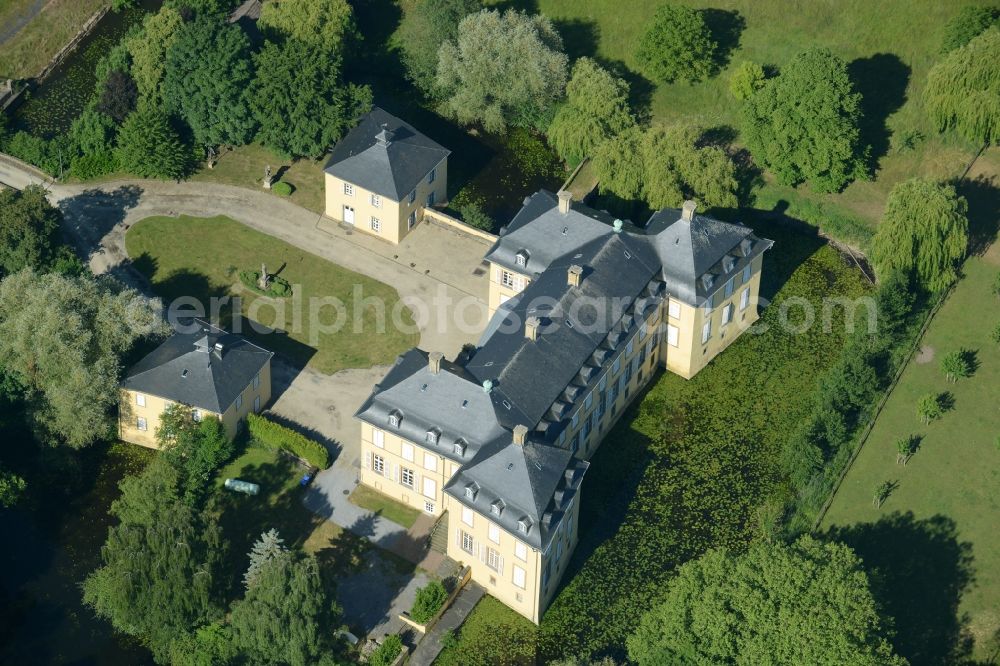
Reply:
x=434 y=362
x=565 y=199
x=687 y=210
x=384 y=137
x=520 y=434
x=531 y=326
x=574 y=274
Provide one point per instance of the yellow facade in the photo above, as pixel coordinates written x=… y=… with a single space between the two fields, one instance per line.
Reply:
x=381 y=216
x=504 y=285
x=139 y=413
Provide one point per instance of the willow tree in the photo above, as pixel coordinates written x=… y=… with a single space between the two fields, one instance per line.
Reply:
x=924 y=231
x=596 y=109
x=963 y=90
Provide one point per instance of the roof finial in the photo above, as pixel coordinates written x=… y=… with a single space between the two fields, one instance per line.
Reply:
x=487 y=386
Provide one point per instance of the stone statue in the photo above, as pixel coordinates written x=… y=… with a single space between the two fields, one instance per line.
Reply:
x=267 y=177
x=264 y=278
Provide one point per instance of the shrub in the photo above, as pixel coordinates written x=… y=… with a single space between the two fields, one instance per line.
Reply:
x=966 y=25
x=957 y=365
x=387 y=652
x=678 y=45
x=93 y=165
x=474 y=215
x=275 y=436
x=276 y=287
x=282 y=188
x=430 y=599
x=35 y=151
x=746 y=79
x=929 y=408
x=995 y=334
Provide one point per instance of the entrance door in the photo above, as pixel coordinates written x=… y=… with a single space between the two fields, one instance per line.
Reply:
x=348 y=215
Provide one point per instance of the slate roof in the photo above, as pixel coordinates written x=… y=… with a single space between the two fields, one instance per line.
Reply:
x=189 y=369
x=384 y=155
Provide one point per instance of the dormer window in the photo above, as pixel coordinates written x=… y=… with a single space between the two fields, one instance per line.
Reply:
x=524 y=525
x=433 y=435
x=521 y=258
x=497 y=508
x=746 y=245
x=459 y=447
x=395 y=418
x=728 y=262
x=706 y=280
x=471 y=491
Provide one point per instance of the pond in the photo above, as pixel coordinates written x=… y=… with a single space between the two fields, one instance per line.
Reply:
x=50 y=109
x=52 y=540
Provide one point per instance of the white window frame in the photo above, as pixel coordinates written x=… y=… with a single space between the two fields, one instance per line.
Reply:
x=378 y=464
x=727 y=313
x=406 y=451
x=493 y=559
x=518 y=577
x=376 y=224
x=506 y=279
x=468 y=543
x=376 y=201
x=405 y=472
x=141 y=423
x=429 y=507
x=730 y=283
x=378 y=438
x=413 y=196
x=745 y=299
x=432 y=484
x=256 y=381
x=411 y=221
x=348 y=189
x=430 y=462
x=494 y=533
x=520 y=551
x=706 y=331
x=140 y=399
x=673 y=334
x=747 y=273
x=467 y=516
x=674 y=309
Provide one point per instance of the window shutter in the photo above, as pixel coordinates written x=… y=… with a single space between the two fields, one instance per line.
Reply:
x=368 y=459
x=496 y=274
x=501 y=566
x=481 y=551
x=458 y=537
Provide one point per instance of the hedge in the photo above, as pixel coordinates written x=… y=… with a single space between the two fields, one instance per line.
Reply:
x=387 y=652
x=276 y=287
x=282 y=188
x=276 y=436
x=429 y=600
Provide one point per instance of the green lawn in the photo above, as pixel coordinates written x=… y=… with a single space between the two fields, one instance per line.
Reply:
x=935 y=544
x=387 y=507
x=202 y=258
x=890 y=46
x=30 y=49
x=244 y=167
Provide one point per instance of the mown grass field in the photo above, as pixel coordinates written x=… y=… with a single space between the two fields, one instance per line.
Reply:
x=202 y=258
x=890 y=46
x=387 y=507
x=934 y=546
x=25 y=53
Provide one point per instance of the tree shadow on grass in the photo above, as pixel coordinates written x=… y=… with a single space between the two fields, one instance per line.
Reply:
x=727 y=28
x=983 y=195
x=918 y=571
x=881 y=79
x=580 y=37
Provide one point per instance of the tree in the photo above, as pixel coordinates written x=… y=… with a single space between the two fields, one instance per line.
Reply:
x=149 y=50
x=995 y=334
x=905 y=448
x=961 y=91
x=118 y=96
x=966 y=25
x=677 y=46
x=804 y=123
x=282 y=618
x=93 y=132
x=268 y=547
x=196 y=449
x=666 y=165
x=207 y=78
x=804 y=603
x=299 y=102
x=747 y=78
x=957 y=365
x=882 y=492
x=322 y=24
x=11 y=488
x=595 y=110
x=429 y=600
x=924 y=231
x=29 y=230
x=155 y=582
x=150 y=148
x=678 y=168
x=63 y=337
x=929 y=408
x=503 y=69
x=425 y=26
